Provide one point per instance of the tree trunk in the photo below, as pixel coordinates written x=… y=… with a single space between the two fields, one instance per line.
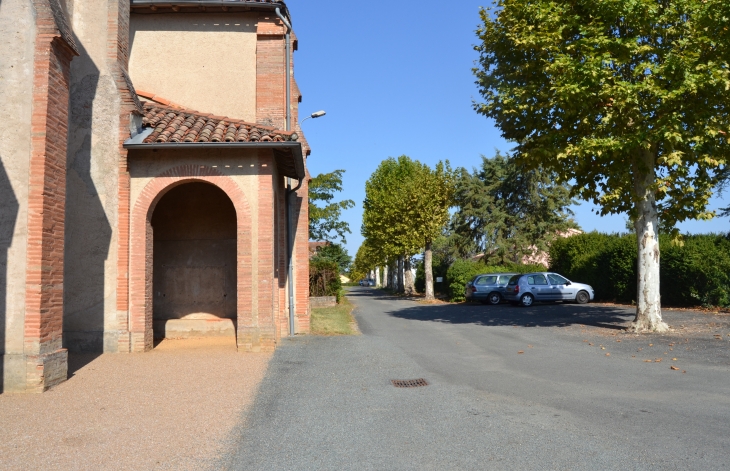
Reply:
x=428 y=268
x=386 y=280
x=377 y=277
x=400 y=287
x=409 y=286
x=648 y=300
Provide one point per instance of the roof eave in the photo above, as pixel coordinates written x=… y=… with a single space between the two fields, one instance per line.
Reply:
x=294 y=149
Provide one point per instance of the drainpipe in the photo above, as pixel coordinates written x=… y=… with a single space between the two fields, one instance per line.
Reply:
x=289 y=189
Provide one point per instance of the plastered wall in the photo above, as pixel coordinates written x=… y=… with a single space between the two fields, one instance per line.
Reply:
x=203 y=61
x=92 y=202
x=17 y=35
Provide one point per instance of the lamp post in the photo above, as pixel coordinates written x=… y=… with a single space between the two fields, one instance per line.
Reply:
x=290 y=237
x=316 y=114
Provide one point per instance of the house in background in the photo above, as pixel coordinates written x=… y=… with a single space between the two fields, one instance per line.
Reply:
x=153 y=179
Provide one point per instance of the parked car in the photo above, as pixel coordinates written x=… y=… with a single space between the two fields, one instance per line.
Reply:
x=487 y=288
x=367 y=282
x=526 y=289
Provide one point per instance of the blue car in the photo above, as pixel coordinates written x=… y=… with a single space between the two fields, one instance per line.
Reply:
x=487 y=288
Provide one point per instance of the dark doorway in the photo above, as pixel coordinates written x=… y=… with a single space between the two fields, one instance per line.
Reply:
x=194 y=263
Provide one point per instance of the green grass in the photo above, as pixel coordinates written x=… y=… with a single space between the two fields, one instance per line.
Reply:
x=335 y=320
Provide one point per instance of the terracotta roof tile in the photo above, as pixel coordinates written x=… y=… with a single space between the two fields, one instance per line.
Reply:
x=183 y=125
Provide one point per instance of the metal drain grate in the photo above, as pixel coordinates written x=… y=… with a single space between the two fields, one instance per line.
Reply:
x=409 y=383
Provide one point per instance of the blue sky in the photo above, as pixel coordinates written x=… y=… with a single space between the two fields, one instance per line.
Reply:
x=395 y=78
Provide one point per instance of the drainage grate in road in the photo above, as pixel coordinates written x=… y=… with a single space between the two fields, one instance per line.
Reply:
x=409 y=383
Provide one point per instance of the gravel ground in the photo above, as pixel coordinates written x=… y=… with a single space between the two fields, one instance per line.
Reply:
x=168 y=409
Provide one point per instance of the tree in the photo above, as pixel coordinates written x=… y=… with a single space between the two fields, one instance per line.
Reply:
x=627 y=99
x=506 y=211
x=335 y=253
x=405 y=208
x=324 y=221
x=431 y=202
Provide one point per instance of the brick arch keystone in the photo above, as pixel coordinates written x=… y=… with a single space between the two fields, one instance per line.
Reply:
x=141 y=241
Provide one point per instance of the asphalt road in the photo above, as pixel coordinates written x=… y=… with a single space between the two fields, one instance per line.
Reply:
x=328 y=403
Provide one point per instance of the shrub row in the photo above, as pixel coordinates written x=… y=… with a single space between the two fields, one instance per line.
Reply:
x=694 y=273
x=324 y=278
x=462 y=271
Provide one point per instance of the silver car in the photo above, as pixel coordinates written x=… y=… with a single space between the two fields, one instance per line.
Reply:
x=526 y=289
x=487 y=288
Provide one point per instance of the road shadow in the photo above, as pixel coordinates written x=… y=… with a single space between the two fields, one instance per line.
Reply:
x=538 y=315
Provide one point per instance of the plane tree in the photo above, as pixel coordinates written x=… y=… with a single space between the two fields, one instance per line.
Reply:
x=624 y=99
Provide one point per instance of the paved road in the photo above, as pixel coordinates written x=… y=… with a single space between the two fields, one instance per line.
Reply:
x=328 y=403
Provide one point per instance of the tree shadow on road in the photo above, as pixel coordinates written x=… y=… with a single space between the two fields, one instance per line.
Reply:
x=538 y=315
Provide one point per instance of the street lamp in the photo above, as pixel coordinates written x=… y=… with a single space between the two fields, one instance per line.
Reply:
x=316 y=114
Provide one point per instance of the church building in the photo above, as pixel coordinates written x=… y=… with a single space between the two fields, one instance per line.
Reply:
x=153 y=180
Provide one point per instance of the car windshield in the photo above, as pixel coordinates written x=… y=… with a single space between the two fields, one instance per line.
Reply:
x=514 y=279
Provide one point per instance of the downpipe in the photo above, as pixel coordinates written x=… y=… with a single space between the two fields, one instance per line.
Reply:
x=289 y=189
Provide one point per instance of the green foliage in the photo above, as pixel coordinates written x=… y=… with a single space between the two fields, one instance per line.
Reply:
x=324 y=278
x=462 y=271
x=607 y=262
x=324 y=221
x=696 y=272
x=506 y=210
x=336 y=253
x=406 y=204
x=607 y=93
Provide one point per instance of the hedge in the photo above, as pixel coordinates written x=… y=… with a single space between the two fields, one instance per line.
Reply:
x=462 y=271
x=694 y=273
x=324 y=278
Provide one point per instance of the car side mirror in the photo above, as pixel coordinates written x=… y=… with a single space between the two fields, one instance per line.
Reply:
x=567 y=283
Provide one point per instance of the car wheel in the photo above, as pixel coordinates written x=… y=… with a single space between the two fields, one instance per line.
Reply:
x=582 y=297
x=494 y=298
x=526 y=300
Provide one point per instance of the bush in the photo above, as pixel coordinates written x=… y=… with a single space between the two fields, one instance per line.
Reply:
x=695 y=273
x=324 y=278
x=462 y=271
x=439 y=270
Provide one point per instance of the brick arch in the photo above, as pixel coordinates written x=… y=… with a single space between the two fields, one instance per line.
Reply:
x=141 y=241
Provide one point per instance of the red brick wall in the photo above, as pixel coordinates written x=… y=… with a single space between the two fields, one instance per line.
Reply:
x=118 y=56
x=301 y=258
x=43 y=326
x=270 y=78
x=266 y=263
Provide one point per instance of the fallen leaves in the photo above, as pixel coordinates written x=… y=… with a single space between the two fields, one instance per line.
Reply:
x=651 y=344
x=674 y=359
x=608 y=354
x=521 y=351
